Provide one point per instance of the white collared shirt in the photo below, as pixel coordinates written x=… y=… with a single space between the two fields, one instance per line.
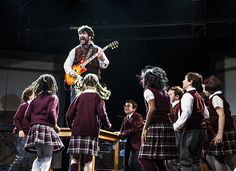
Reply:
x=174 y=103
x=148 y=95
x=129 y=115
x=216 y=100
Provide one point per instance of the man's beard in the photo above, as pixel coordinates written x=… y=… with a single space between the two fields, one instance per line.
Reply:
x=84 y=41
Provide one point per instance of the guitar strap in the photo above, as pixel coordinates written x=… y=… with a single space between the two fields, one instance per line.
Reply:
x=87 y=56
x=89 y=52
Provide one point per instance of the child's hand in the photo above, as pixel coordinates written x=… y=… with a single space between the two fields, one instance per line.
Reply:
x=56 y=128
x=21 y=134
x=117 y=133
x=218 y=138
x=144 y=136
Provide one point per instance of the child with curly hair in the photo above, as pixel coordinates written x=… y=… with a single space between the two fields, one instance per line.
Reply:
x=158 y=136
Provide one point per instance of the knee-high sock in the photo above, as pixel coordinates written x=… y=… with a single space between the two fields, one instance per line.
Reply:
x=74 y=167
x=88 y=166
x=147 y=165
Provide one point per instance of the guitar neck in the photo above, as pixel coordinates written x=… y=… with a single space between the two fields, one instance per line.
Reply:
x=93 y=57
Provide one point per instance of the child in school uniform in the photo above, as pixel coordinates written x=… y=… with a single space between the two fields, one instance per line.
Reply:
x=193 y=113
x=221 y=151
x=42 y=113
x=158 y=136
x=22 y=126
x=175 y=93
x=84 y=116
x=133 y=124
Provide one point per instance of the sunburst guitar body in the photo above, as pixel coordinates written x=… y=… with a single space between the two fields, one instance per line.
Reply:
x=80 y=68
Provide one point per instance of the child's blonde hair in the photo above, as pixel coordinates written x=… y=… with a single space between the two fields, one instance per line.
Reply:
x=92 y=81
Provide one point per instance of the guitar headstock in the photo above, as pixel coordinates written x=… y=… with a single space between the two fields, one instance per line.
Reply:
x=114 y=44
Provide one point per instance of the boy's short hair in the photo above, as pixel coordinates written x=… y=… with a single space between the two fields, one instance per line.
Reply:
x=135 y=105
x=177 y=90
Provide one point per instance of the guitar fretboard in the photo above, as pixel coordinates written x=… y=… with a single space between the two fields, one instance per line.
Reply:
x=94 y=56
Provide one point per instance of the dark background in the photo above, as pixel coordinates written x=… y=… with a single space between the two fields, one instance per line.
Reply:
x=179 y=36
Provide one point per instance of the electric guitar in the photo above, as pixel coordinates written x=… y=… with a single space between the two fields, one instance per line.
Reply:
x=80 y=67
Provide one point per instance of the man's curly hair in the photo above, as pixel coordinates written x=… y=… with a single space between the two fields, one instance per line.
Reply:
x=88 y=29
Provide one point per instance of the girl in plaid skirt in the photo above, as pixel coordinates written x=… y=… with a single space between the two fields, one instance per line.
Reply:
x=42 y=112
x=83 y=117
x=222 y=147
x=158 y=136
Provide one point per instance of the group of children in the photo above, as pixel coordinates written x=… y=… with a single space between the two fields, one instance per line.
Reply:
x=185 y=127
x=193 y=130
x=36 y=123
x=174 y=130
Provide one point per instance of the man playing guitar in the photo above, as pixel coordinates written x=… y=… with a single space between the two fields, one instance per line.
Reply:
x=83 y=52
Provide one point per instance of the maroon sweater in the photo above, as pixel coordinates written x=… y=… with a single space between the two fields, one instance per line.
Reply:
x=43 y=110
x=85 y=113
x=20 y=122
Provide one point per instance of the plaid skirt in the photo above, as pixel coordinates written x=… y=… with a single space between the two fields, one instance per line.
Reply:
x=44 y=135
x=228 y=145
x=160 y=143
x=83 y=145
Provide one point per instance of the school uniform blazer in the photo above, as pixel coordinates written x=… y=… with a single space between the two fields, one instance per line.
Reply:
x=133 y=130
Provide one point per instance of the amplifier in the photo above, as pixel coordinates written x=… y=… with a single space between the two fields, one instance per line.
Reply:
x=105 y=159
x=6 y=127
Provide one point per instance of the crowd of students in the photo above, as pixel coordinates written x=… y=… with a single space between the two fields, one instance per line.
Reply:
x=181 y=128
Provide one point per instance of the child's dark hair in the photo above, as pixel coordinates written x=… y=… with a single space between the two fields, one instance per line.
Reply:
x=27 y=92
x=135 y=105
x=177 y=90
x=154 y=77
x=196 y=78
x=45 y=84
x=212 y=84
